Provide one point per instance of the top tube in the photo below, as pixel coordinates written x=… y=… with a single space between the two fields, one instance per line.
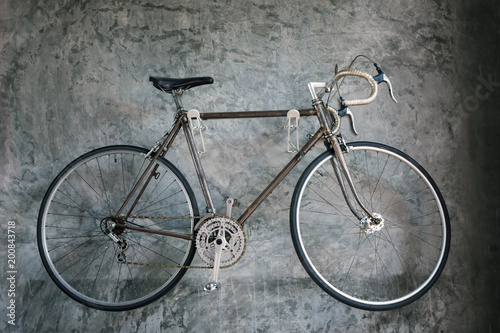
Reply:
x=254 y=114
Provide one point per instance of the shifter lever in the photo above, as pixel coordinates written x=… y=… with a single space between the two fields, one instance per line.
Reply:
x=381 y=77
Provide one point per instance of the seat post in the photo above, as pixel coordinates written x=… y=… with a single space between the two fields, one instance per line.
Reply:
x=177 y=94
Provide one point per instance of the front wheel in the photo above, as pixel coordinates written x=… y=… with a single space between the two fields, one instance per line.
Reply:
x=371 y=266
x=116 y=269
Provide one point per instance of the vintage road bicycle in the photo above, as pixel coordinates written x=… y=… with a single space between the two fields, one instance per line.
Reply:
x=120 y=225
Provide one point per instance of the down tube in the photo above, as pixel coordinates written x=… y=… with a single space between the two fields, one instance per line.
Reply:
x=286 y=170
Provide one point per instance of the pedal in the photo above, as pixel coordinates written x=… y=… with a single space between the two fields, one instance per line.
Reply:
x=292 y=123
x=211 y=286
x=196 y=124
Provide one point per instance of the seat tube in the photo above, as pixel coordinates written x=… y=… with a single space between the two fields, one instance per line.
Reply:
x=197 y=164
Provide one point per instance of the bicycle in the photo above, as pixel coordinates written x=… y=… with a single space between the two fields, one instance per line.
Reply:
x=120 y=225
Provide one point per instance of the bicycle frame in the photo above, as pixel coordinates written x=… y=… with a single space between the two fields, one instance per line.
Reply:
x=181 y=121
x=286 y=170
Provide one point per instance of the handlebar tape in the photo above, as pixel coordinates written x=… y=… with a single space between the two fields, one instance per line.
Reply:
x=366 y=76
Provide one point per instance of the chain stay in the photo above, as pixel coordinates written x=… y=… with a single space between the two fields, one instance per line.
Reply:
x=176 y=266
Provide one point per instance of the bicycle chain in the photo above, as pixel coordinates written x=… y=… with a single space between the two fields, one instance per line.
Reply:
x=177 y=266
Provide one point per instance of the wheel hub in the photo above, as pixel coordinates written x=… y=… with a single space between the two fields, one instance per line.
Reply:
x=371 y=225
x=112 y=224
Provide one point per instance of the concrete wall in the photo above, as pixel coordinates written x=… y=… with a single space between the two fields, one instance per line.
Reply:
x=74 y=76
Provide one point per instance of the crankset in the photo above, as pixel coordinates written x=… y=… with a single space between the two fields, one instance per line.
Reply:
x=220 y=242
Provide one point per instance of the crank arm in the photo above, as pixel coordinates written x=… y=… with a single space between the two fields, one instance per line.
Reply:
x=220 y=242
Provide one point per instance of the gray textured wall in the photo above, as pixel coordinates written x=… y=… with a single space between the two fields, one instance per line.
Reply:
x=73 y=76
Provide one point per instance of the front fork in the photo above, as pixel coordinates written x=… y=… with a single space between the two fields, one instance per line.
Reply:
x=342 y=172
x=335 y=141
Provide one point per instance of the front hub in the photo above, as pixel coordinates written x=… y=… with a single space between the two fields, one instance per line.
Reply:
x=371 y=225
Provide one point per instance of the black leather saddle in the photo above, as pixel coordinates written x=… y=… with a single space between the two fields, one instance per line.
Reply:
x=168 y=85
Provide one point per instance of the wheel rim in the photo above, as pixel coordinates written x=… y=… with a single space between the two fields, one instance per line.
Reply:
x=377 y=263
x=83 y=260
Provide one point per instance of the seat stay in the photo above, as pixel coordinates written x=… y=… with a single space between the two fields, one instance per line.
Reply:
x=160 y=151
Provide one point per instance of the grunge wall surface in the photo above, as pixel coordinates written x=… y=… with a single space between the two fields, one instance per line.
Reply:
x=74 y=76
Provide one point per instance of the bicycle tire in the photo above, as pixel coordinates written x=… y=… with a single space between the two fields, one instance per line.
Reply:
x=84 y=261
x=359 y=265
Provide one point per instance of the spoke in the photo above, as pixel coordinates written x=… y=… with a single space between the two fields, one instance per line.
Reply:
x=72 y=228
x=73 y=215
x=105 y=201
x=331 y=204
x=74 y=249
x=154 y=189
x=377 y=255
x=148 y=207
x=378 y=181
x=108 y=201
x=97 y=274
x=93 y=250
x=156 y=252
x=320 y=212
x=73 y=200
x=346 y=278
x=412 y=232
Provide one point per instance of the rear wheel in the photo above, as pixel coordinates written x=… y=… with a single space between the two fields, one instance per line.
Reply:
x=372 y=265
x=78 y=250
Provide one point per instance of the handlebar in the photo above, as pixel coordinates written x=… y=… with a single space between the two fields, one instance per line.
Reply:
x=344 y=111
x=366 y=76
x=372 y=80
x=327 y=87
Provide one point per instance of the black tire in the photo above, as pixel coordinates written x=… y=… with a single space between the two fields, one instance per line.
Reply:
x=84 y=261
x=371 y=267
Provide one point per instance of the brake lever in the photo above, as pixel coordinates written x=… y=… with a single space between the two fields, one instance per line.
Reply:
x=345 y=111
x=351 y=119
x=381 y=77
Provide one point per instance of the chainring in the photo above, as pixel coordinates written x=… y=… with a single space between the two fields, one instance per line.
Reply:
x=235 y=240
